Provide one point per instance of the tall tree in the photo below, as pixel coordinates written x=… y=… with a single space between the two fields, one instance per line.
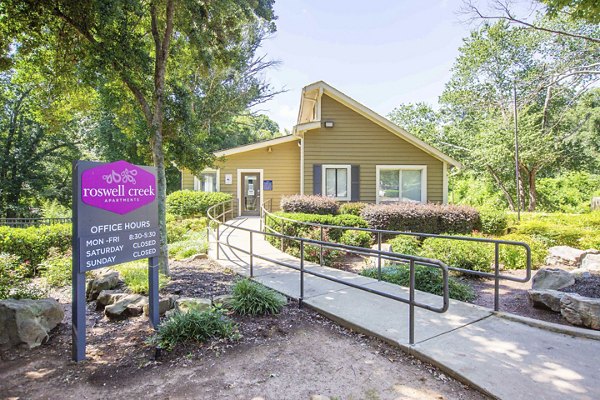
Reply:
x=158 y=51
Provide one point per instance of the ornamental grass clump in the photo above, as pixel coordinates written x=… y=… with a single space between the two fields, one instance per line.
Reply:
x=252 y=298
x=194 y=326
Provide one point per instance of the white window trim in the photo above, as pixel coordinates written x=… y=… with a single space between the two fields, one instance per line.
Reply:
x=422 y=168
x=240 y=171
x=348 y=178
x=197 y=181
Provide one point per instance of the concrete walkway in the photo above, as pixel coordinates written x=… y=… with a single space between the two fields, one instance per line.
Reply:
x=504 y=358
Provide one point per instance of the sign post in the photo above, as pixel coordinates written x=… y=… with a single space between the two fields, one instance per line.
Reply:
x=115 y=220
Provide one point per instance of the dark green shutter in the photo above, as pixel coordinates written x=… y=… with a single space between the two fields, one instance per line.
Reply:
x=317 y=178
x=355 y=179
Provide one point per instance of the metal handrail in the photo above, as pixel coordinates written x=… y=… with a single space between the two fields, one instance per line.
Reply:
x=381 y=232
x=411 y=260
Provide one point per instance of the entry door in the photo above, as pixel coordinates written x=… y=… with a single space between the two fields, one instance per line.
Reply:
x=251 y=193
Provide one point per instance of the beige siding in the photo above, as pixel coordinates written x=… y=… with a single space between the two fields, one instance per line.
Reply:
x=187 y=180
x=281 y=165
x=356 y=140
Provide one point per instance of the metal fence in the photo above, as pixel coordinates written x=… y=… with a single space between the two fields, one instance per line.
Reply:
x=26 y=222
x=218 y=217
x=380 y=234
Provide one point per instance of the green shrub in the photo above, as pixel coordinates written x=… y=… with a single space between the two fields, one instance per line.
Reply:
x=473 y=256
x=309 y=204
x=569 y=193
x=427 y=279
x=194 y=326
x=252 y=298
x=312 y=252
x=352 y=208
x=494 y=221
x=356 y=238
x=32 y=245
x=190 y=203
x=195 y=244
x=515 y=257
x=14 y=281
x=135 y=276
x=422 y=218
x=300 y=230
x=183 y=229
x=552 y=233
x=405 y=244
x=56 y=269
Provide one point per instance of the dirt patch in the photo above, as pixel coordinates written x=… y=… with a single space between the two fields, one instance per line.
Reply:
x=588 y=287
x=289 y=356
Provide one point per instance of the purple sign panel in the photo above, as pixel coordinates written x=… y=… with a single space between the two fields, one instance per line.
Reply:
x=116 y=214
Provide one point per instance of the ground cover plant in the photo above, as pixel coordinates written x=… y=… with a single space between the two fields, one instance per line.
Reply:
x=252 y=298
x=135 y=276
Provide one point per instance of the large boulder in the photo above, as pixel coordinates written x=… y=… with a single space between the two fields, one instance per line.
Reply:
x=374 y=260
x=591 y=262
x=103 y=280
x=224 y=300
x=580 y=310
x=548 y=278
x=565 y=256
x=108 y=297
x=131 y=305
x=547 y=298
x=164 y=304
x=28 y=321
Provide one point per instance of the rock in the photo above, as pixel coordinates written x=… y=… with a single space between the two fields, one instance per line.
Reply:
x=224 y=300
x=548 y=278
x=373 y=260
x=581 y=273
x=28 y=321
x=547 y=298
x=164 y=304
x=565 y=256
x=591 y=262
x=130 y=305
x=186 y=304
x=201 y=256
x=580 y=310
x=108 y=297
x=104 y=280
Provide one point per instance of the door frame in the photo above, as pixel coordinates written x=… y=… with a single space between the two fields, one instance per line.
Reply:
x=241 y=171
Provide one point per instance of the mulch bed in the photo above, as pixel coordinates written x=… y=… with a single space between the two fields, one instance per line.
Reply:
x=587 y=287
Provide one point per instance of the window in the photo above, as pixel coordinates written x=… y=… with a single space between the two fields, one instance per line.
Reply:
x=397 y=183
x=336 y=182
x=207 y=182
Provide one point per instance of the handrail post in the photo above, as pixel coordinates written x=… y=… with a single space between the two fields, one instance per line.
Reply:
x=301 y=299
x=496 y=276
x=378 y=256
x=321 y=250
x=218 y=239
x=283 y=233
x=251 y=257
x=411 y=316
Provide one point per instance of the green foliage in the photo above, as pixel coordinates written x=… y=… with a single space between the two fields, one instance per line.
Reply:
x=53 y=209
x=14 y=281
x=309 y=204
x=515 y=257
x=194 y=326
x=427 y=279
x=190 y=203
x=494 y=221
x=252 y=298
x=356 y=238
x=473 y=256
x=56 y=269
x=588 y=10
x=422 y=218
x=194 y=244
x=135 y=276
x=569 y=193
x=467 y=189
x=354 y=208
x=179 y=230
x=33 y=244
x=405 y=244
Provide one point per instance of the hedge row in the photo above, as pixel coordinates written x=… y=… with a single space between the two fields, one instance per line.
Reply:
x=309 y=204
x=191 y=203
x=423 y=218
x=32 y=245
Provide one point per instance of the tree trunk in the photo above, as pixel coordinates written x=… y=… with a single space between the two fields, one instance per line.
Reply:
x=532 y=191
x=521 y=190
x=509 y=199
x=159 y=162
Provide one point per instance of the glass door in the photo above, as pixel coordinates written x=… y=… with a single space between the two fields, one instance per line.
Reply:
x=250 y=194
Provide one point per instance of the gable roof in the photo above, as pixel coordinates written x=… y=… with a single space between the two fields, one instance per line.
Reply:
x=309 y=117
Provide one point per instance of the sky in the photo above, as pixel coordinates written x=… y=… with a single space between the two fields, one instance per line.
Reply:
x=382 y=53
